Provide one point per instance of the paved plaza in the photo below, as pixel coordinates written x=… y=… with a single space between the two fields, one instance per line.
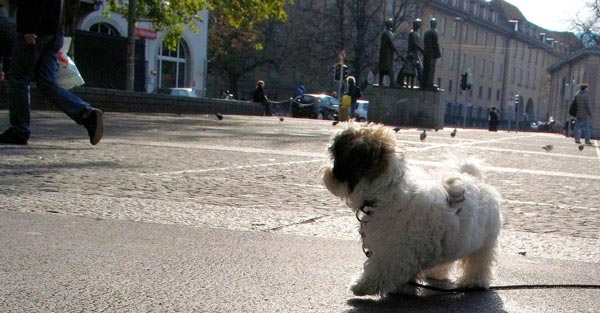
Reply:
x=188 y=213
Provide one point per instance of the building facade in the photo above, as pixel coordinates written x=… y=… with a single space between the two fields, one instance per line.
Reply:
x=506 y=57
x=582 y=67
x=158 y=67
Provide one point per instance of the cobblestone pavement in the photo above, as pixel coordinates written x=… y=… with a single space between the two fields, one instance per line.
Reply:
x=260 y=174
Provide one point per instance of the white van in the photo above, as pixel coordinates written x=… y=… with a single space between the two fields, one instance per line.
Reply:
x=362 y=110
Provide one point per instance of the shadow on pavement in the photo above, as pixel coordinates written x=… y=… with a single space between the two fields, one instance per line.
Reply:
x=477 y=301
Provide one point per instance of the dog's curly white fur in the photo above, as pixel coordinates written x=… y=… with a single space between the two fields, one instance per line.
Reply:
x=419 y=224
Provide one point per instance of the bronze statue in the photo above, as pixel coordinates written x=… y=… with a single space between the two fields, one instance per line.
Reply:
x=386 y=52
x=431 y=52
x=413 y=67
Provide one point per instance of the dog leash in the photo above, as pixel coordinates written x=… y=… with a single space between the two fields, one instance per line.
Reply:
x=360 y=214
x=507 y=287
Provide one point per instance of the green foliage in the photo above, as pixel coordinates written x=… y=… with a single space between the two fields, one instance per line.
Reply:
x=175 y=16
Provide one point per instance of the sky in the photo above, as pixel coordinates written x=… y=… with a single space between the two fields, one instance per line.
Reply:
x=553 y=15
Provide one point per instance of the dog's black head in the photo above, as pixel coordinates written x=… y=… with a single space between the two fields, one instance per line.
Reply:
x=361 y=153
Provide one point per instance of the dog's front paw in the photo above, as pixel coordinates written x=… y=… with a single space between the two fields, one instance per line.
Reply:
x=477 y=284
x=362 y=287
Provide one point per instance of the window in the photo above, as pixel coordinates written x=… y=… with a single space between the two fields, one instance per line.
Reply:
x=489 y=93
x=330 y=4
x=172 y=66
x=500 y=72
x=450 y=85
x=498 y=95
x=492 y=65
x=104 y=28
x=443 y=25
x=480 y=92
x=466 y=5
x=520 y=76
x=452 y=57
x=485 y=39
x=455 y=30
x=440 y=62
x=475 y=36
x=514 y=72
x=482 y=67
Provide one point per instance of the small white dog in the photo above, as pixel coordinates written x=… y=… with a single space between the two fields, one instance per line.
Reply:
x=414 y=225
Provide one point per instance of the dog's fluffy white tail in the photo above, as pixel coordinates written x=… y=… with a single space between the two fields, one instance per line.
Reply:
x=466 y=165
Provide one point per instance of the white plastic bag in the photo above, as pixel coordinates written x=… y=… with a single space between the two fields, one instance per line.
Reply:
x=67 y=74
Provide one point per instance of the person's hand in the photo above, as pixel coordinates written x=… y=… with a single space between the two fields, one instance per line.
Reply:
x=30 y=39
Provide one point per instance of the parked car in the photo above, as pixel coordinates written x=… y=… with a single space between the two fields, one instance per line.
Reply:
x=362 y=110
x=182 y=92
x=318 y=106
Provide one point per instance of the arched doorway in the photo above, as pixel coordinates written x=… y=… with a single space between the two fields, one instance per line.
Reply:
x=104 y=28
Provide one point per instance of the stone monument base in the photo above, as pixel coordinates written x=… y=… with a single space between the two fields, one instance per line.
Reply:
x=406 y=106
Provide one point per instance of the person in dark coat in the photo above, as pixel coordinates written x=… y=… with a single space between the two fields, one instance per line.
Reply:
x=259 y=96
x=493 y=120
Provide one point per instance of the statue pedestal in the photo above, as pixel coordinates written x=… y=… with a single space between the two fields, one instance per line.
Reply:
x=406 y=106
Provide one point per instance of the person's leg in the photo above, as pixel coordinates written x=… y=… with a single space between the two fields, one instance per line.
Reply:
x=45 y=72
x=587 y=131
x=577 y=133
x=19 y=78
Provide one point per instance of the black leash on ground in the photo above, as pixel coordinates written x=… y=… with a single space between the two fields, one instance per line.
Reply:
x=507 y=287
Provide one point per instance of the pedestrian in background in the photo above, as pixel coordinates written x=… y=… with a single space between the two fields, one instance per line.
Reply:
x=259 y=96
x=583 y=115
x=354 y=92
x=40 y=28
x=493 y=120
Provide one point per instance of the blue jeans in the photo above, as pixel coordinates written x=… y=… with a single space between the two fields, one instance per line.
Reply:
x=38 y=62
x=583 y=125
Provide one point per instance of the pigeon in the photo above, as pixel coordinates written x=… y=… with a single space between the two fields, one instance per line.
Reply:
x=219 y=116
x=548 y=148
x=396 y=129
x=281 y=118
x=436 y=129
x=334 y=123
x=580 y=147
x=453 y=133
x=423 y=135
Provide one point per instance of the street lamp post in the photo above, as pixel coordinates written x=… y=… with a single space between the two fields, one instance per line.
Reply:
x=460 y=21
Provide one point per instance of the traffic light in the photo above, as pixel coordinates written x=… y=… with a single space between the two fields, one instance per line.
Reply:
x=340 y=71
x=463 y=81
x=345 y=72
x=337 y=72
x=517 y=101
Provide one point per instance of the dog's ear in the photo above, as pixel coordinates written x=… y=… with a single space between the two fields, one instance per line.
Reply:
x=360 y=153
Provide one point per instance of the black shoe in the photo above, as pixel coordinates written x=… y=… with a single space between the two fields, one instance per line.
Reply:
x=12 y=137
x=94 y=125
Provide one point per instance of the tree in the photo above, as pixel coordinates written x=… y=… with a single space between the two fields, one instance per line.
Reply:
x=175 y=16
x=589 y=25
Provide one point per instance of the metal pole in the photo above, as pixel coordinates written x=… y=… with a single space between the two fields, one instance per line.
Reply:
x=458 y=20
x=130 y=71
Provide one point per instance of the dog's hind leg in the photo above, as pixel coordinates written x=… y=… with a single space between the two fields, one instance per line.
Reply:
x=477 y=268
x=440 y=272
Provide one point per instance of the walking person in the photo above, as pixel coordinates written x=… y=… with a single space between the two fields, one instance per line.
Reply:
x=493 y=120
x=40 y=26
x=583 y=115
x=259 y=96
x=354 y=92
